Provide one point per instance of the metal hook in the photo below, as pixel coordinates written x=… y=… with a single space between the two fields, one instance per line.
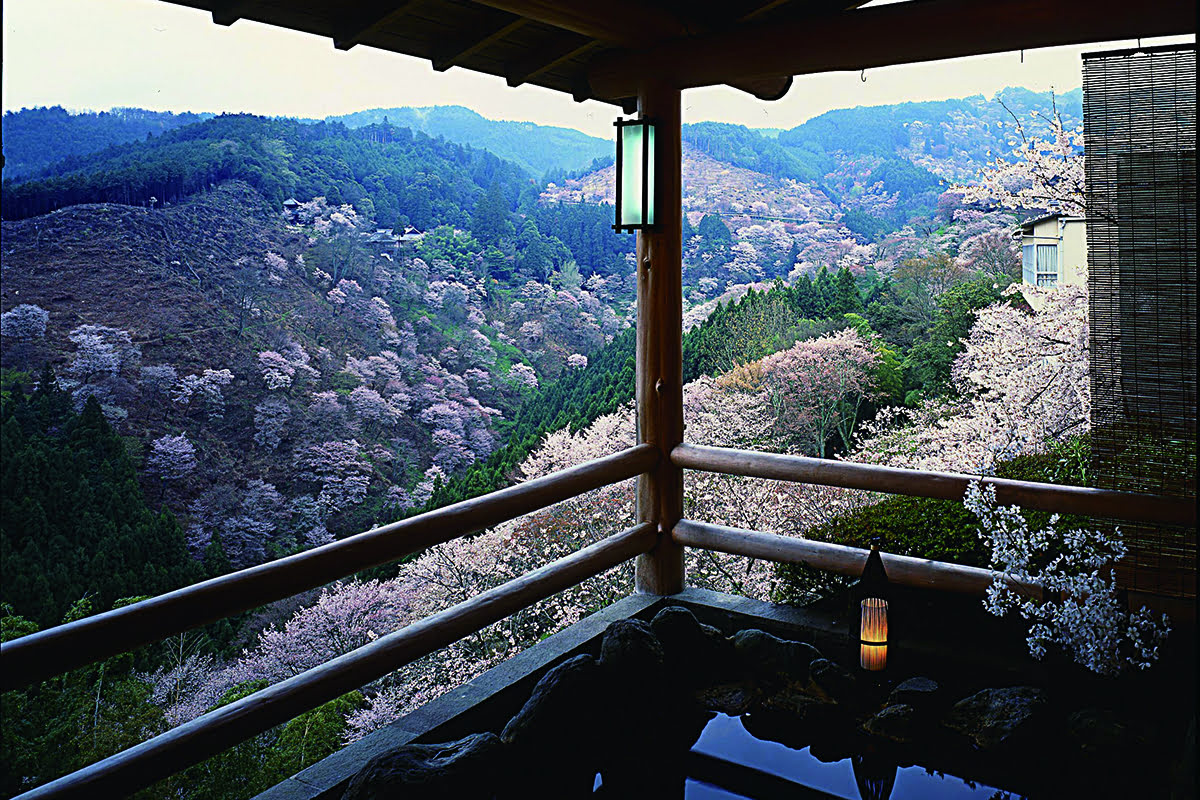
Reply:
x=1022 y=56
x=863 y=76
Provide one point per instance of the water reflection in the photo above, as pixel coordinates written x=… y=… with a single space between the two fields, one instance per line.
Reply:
x=730 y=762
x=875 y=777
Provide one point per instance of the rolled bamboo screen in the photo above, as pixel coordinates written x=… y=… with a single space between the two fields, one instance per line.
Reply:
x=1139 y=110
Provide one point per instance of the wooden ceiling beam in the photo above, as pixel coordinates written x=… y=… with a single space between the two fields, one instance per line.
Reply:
x=230 y=11
x=549 y=58
x=624 y=22
x=900 y=33
x=365 y=17
x=473 y=43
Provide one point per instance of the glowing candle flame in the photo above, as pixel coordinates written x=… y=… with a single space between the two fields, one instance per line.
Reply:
x=873 y=635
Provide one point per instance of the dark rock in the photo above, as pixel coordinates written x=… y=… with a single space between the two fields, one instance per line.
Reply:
x=630 y=649
x=831 y=681
x=1099 y=733
x=469 y=768
x=697 y=652
x=921 y=693
x=733 y=699
x=550 y=718
x=805 y=708
x=995 y=717
x=772 y=659
x=896 y=722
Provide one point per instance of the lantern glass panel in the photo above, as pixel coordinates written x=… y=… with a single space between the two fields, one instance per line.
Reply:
x=631 y=174
x=649 y=173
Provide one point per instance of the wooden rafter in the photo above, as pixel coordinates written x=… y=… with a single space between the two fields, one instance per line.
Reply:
x=365 y=18
x=571 y=46
x=477 y=40
x=623 y=22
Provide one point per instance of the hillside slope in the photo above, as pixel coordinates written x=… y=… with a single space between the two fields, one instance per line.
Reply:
x=318 y=384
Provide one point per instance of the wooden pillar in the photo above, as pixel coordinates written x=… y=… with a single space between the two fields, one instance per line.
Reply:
x=659 y=379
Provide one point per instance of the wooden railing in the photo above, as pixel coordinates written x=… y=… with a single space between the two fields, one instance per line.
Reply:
x=221 y=728
x=65 y=647
x=941 y=485
x=59 y=649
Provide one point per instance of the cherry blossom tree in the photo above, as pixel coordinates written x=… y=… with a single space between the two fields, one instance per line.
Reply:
x=158 y=380
x=523 y=376
x=1038 y=173
x=277 y=371
x=271 y=417
x=1021 y=380
x=101 y=352
x=993 y=252
x=24 y=323
x=817 y=387
x=205 y=389
x=1074 y=566
x=339 y=470
x=373 y=409
x=172 y=457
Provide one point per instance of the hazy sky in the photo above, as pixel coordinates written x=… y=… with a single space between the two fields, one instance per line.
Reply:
x=96 y=54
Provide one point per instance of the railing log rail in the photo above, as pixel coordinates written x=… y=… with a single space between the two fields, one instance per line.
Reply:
x=941 y=485
x=62 y=648
x=924 y=573
x=145 y=764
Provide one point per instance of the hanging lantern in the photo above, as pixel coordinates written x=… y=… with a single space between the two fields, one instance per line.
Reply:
x=873 y=624
x=635 y=174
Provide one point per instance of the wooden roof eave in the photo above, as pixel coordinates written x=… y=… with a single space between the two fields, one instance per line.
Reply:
x=919 y=30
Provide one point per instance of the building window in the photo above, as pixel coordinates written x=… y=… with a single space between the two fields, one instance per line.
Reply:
x=1028 y=267
x=1047 y=265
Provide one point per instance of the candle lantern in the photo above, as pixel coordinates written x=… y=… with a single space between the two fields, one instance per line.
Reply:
x=635 y=175
x=873 y=621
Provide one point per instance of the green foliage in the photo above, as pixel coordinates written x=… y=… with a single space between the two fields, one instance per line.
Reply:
x=72 y=720
x=586 y=230
x=74 y=522
x=762 y=323
x=255 y=765
x=922 y=527
x=428 y=181
x=35 y=138
x=742 y=147
x=927 y=365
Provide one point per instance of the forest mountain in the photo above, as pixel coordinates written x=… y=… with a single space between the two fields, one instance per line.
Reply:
x=538 y=149
x=35 y=138
x=907 y=149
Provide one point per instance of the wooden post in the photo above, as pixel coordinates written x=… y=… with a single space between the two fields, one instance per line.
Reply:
x=659 y=345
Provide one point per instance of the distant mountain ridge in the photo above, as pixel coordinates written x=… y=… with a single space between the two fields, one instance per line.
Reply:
x=537 y=148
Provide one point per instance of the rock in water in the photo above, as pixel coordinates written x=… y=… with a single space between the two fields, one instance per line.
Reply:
x=997 y=717
x=918 y=692
x=551 y=717
x=630 y=650
x=894 y=722
x=469 y=768
x=697 y=652
x=832 y=681
x=772 y=659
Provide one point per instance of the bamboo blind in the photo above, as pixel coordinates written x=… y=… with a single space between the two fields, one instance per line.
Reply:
x=1139 y=111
